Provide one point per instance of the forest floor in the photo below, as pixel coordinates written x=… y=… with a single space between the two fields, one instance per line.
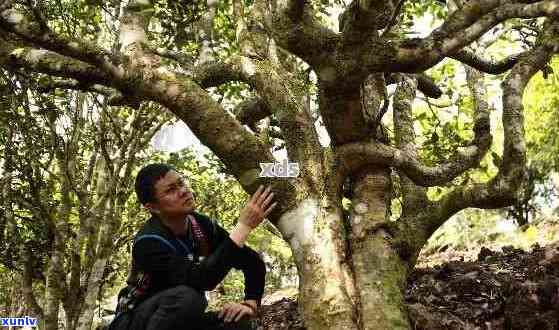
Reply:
x=504 y=289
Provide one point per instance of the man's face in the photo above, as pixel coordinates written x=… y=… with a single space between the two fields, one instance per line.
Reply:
x=173 y=196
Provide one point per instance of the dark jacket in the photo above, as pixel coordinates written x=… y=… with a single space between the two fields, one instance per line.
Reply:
x=167 y=268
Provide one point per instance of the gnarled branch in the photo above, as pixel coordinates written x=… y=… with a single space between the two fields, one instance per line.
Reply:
x=464 y=27
x=425 y=84
x=295 y=28
x=355 y=155
x=215 y=73
x=72 y=84
x=51 y=63
x=414 y=196
x=185 y=61
x=251 y=111
x=484 y=65
x=362 y=17
x=38 y=35
x=279 y=93
x=501 y=190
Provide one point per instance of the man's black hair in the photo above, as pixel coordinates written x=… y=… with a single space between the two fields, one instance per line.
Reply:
x=146 y=179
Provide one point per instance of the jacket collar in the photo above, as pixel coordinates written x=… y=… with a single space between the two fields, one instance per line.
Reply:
x=158 y=224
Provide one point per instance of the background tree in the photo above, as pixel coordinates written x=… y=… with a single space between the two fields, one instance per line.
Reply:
x=352 y=259
x=68 y=170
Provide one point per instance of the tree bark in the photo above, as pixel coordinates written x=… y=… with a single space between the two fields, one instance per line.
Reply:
x=327 y=297
x=348 y=286
x=99 y=262
x=53 y=292
x=380 y=274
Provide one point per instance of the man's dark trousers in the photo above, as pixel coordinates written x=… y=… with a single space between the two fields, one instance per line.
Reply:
x=178 y=308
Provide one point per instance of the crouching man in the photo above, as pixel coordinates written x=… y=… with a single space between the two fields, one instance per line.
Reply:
x=179 y=254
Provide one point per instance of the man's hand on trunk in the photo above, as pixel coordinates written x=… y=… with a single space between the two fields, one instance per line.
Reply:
x=258 y=207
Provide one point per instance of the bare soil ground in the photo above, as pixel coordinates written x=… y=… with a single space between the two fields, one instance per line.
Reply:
x=508 y=289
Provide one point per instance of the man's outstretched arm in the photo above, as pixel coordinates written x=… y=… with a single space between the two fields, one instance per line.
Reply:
x=253 y=267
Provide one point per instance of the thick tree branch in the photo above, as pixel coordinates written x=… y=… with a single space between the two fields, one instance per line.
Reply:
x=278 y=91
x=294 y=27
x=363 y=17
x=464 y=15
x=374 y=105
x=38 y=35
x=414 y=197
x=425 y=84
x=235 y=146
x=355 y=155
x=72 y=84
x=464 y=27
x=44 y=61
x=185 y=61
x=285 y=97
x=488 y=66
x=215 y=73
x=347 y=65
x=251 y=111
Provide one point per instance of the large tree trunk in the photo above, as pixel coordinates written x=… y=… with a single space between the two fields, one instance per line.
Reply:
x=347 y=287
x=380 y=274
x=313 y=232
